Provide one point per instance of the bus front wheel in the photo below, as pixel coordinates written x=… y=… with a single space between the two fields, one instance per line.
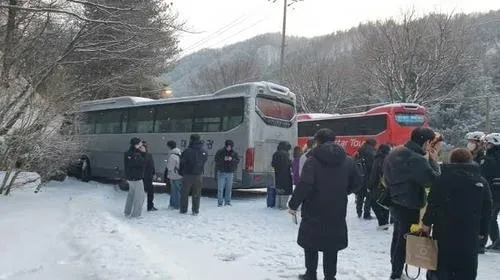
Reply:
x=86 y=174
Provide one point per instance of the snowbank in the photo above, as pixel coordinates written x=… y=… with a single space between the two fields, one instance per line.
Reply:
x=28 y=180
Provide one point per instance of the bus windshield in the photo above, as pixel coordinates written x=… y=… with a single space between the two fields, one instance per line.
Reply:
x=410 y=119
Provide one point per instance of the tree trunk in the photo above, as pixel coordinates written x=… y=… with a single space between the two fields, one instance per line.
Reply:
x=9 y=185
x=9 y=43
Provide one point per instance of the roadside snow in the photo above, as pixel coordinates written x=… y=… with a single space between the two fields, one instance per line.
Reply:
x=23 y=180
x=74 y=230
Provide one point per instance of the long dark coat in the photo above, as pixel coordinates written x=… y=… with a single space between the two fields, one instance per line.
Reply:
x=327 y=178
x=282 y=165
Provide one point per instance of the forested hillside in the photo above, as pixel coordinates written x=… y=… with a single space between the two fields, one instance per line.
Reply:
x=449 y=63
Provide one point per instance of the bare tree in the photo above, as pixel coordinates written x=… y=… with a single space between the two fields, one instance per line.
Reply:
x=416 y=59
x=223 y=73
x=321 y=80
x=110 y=44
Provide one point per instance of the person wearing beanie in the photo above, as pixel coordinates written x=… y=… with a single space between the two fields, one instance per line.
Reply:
x=134 y=163
x=226 y=163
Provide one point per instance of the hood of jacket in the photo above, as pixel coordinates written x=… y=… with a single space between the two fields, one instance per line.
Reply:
x=329 y=154
x=383 y=151
x=283 y=146
x=494 y=152
x=196 y=145
x=175 y=151
x=415 y=147
x=366 y=150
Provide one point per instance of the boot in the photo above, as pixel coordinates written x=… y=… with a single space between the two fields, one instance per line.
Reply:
x=307 y=277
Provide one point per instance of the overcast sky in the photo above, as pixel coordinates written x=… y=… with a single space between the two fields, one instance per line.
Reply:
x=222 y=22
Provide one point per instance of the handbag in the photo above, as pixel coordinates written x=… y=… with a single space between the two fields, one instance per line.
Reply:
x=421 y=252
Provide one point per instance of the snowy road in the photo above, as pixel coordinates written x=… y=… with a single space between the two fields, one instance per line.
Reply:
x=74 y=230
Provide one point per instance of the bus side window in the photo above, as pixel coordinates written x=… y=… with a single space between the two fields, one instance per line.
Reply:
x=140 y=120
x=173 y=118
x=88 y=123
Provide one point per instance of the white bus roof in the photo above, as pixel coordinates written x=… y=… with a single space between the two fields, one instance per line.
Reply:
x=132 y=101
x=318 y=115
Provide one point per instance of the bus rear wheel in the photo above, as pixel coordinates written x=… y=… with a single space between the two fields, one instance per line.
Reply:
x=123 y=185
x=86 y=173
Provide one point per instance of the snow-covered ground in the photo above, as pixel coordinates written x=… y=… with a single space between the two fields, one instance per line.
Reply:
x=74 y=230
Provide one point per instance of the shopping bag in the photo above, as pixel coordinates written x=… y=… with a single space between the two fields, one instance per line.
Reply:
x=421 y=251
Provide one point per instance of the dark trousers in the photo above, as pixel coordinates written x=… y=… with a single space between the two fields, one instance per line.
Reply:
x=457 y=265
x=149 y=189
x=403 y=219
x=493 y=230
x=329 y=263
x=193 y=184
x=381 y=213
x=363 y=202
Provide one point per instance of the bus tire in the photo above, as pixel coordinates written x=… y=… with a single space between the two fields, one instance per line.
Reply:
x=123 y=185
x=86 y=174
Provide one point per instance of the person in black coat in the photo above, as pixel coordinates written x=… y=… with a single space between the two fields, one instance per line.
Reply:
x=191 y=167
x=375 y=186
x=149 y=172
x=366 y=154
x=327 y=178
x=408 y=170
x=282 y=165
x=134 y=164
x=491 y=171
x=459 y=210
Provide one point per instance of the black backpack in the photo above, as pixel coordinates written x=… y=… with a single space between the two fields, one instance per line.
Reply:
x=361 y=165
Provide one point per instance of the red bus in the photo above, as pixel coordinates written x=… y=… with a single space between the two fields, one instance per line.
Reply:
x=388 y=124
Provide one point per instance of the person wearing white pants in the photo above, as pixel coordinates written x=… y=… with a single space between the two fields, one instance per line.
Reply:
x=135 y=199
x=134 y=163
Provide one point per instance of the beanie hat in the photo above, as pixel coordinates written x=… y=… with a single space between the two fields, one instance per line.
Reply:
x=134 y=141
x=229 y=143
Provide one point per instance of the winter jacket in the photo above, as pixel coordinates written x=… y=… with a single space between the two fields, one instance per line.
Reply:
x=459 y=207
x=282 y=172
x=303 y=159
x=173 y=164
x=134 y=163
x=491 y=171
x=367 y=152
x=328 y=177
x=193 y=159
x=407 y=172
x=376 y=172
x=149 y=168
x=222 y=165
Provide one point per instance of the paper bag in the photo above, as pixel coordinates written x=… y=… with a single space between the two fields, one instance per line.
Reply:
x=421 y=252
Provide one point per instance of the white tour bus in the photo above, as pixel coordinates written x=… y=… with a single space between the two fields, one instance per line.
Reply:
x=256 y=116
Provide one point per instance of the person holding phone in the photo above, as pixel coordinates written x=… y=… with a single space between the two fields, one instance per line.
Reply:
x=408 y=170
x=226 y=163
x=135 y=164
